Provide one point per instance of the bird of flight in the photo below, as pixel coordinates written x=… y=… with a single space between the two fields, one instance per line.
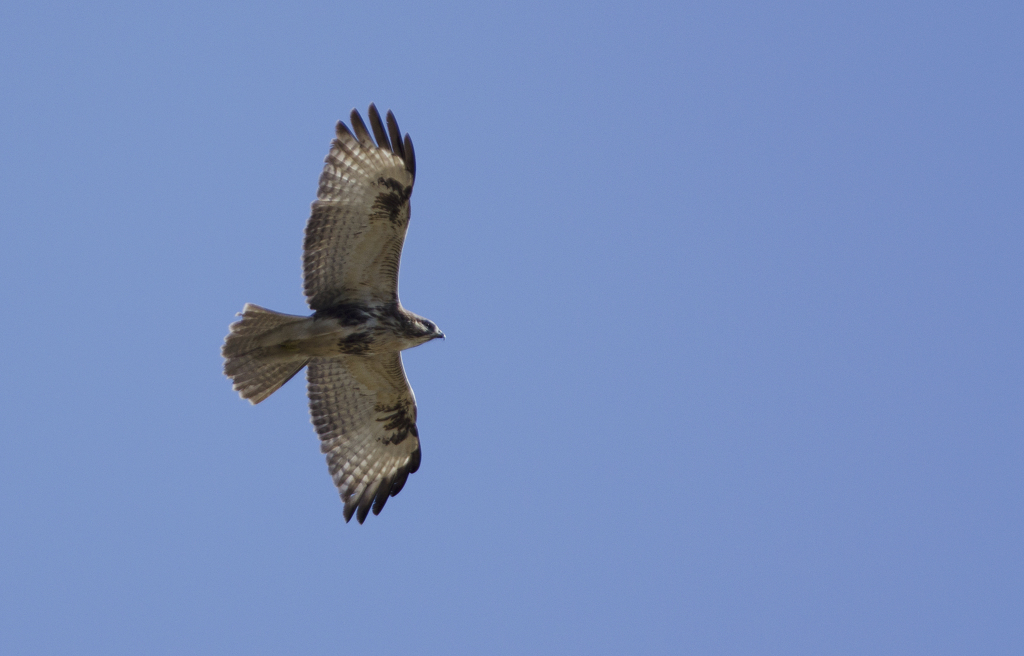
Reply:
x=359 y=398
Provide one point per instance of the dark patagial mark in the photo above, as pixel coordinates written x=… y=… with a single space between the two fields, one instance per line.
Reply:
x=356 y=343
x=347 y=314
x=389 y=314
x=399 y=420
x=389 y=203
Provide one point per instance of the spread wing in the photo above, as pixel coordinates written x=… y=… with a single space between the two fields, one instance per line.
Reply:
x=355 y=234
x=365 y=413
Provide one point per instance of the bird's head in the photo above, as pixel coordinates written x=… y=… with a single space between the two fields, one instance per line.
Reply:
x=432 y=330
x=425 y=330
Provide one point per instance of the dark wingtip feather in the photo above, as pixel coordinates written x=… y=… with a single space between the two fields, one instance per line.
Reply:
x=364 y=504
x=400 y=478
x=341 y=130
x=378 y=128
x=396 y=136
x=410 y=160
x=350 y=507
x=361 y=132
x=383 y=492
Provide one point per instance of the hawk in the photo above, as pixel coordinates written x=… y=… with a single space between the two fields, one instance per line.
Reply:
x=360 y=400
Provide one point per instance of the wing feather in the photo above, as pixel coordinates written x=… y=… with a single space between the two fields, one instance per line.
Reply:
x=396 y=135
x=357 y=227
x=410 y=157
x=365 y=414
x=379 y=133
x=360 y=128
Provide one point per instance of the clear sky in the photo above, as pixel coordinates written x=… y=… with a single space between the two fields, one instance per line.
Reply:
x=734 y=298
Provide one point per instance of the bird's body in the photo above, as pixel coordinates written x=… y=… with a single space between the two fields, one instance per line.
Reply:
x=346 y=330
x=360 y=401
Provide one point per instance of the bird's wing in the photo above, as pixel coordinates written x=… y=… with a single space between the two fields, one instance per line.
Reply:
x=365 y=413
x=355 y=234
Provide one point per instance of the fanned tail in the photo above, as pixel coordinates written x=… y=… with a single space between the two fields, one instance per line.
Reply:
x=258 y=369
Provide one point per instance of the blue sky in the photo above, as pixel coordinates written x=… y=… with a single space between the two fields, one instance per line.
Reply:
x=733 y=297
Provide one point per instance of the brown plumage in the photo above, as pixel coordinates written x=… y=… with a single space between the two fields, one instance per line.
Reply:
x=361 y=403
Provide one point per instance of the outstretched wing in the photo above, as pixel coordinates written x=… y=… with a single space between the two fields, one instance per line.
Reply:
x=365 y=413
x=355 y=234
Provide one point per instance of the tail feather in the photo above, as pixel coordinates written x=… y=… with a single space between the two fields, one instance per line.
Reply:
x=256 y=369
